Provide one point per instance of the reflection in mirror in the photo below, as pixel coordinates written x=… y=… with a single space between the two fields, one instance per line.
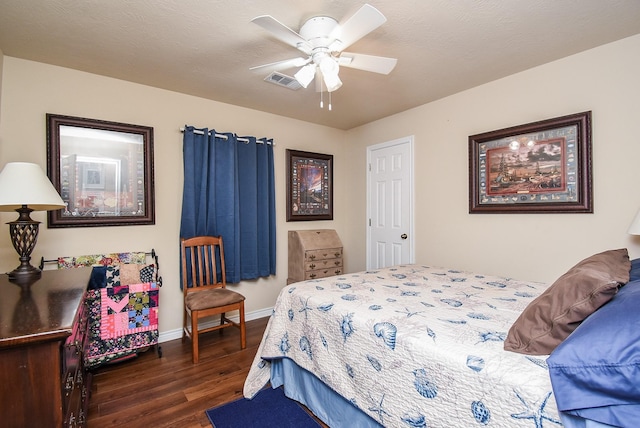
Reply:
x=99 y=174
x=103 y=171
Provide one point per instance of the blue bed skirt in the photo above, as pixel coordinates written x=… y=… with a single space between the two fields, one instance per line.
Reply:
x=325 y=403
x=335 y=411
x=571 y=421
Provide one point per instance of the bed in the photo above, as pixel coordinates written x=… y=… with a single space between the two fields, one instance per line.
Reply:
x=418 y=346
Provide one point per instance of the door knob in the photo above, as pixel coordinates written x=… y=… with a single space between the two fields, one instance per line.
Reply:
x=403 y=236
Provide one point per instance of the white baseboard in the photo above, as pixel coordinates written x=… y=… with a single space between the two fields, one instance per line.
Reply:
x=166 y=336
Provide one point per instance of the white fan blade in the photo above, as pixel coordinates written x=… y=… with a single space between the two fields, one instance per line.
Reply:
x=377 y=64
x=361 y=23
x=282 y=32
x=282 y=65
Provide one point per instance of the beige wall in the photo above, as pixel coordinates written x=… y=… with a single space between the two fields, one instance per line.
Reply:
x=537 y=247
x=1 y=68
x=532 y=246
x=31 y=89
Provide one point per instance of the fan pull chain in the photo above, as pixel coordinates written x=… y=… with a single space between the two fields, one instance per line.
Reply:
x=322 y=98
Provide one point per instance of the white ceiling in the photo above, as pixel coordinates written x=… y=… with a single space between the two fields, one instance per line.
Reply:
x=206 y=47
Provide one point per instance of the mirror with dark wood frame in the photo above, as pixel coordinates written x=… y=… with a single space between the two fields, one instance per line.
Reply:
x=103 y=171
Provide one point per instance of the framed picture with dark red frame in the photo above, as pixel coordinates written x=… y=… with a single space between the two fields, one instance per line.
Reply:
x=309 y=186
x=539 y=167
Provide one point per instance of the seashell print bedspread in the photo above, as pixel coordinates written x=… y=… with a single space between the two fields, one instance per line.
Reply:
x=413 y=346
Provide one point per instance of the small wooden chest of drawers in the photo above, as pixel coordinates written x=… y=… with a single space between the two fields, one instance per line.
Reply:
x=314 y=254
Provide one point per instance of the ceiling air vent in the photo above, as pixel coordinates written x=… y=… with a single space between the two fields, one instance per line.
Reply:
x=283 y=80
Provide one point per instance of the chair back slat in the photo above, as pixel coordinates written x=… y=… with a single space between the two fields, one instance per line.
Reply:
x=203 y=263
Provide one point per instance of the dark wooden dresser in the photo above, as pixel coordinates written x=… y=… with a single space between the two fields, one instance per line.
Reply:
x=42 y=332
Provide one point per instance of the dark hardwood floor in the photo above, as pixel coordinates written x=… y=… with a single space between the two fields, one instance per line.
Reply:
x=171 y=391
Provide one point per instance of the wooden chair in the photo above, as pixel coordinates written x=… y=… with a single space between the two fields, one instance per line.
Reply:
x=204 y=289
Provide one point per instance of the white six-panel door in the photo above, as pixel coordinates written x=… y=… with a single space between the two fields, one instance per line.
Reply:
x=390 y=203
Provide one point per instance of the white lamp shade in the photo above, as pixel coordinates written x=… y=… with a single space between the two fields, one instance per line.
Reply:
x=332 y=82
x=23 y=183
x=305 y=75
x=330 y=68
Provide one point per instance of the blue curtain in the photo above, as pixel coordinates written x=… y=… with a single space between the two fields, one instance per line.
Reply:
x=229 y=190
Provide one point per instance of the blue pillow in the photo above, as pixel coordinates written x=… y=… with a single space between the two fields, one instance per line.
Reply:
x=595 y=372
x=634 y=273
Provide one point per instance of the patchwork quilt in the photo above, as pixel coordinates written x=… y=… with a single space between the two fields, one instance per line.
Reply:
x=413 y=346
x=128 y=309
x=122 y=303
x=102 y=259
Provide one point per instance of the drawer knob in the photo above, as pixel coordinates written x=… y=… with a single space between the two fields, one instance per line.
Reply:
x=337 y=262
x=313 y=275
x=68 y=386
x=312 y=256
x=337 y=254
x=312 y=265
x=337 y=271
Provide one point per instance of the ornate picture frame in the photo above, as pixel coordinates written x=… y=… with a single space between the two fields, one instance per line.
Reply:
x=309 y=186
x=539 y=167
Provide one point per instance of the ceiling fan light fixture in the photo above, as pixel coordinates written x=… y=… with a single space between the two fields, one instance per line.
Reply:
x=330 y=68
x=305 y=75
x=323 y=39
x=332 y=82
x=328 y=65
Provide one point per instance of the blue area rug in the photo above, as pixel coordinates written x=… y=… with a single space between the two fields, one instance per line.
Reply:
x=270 y=408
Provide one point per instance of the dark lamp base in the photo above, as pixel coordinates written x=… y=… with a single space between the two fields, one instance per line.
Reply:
x=24 y=234
x=24 y=274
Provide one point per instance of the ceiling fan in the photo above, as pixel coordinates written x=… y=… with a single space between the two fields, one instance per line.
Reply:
x=323 y=40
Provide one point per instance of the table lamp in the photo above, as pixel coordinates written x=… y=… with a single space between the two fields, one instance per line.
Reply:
x=24 y=188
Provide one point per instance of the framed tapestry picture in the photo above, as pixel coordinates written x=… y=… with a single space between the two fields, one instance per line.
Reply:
x=539 y=167
x=309 y=186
